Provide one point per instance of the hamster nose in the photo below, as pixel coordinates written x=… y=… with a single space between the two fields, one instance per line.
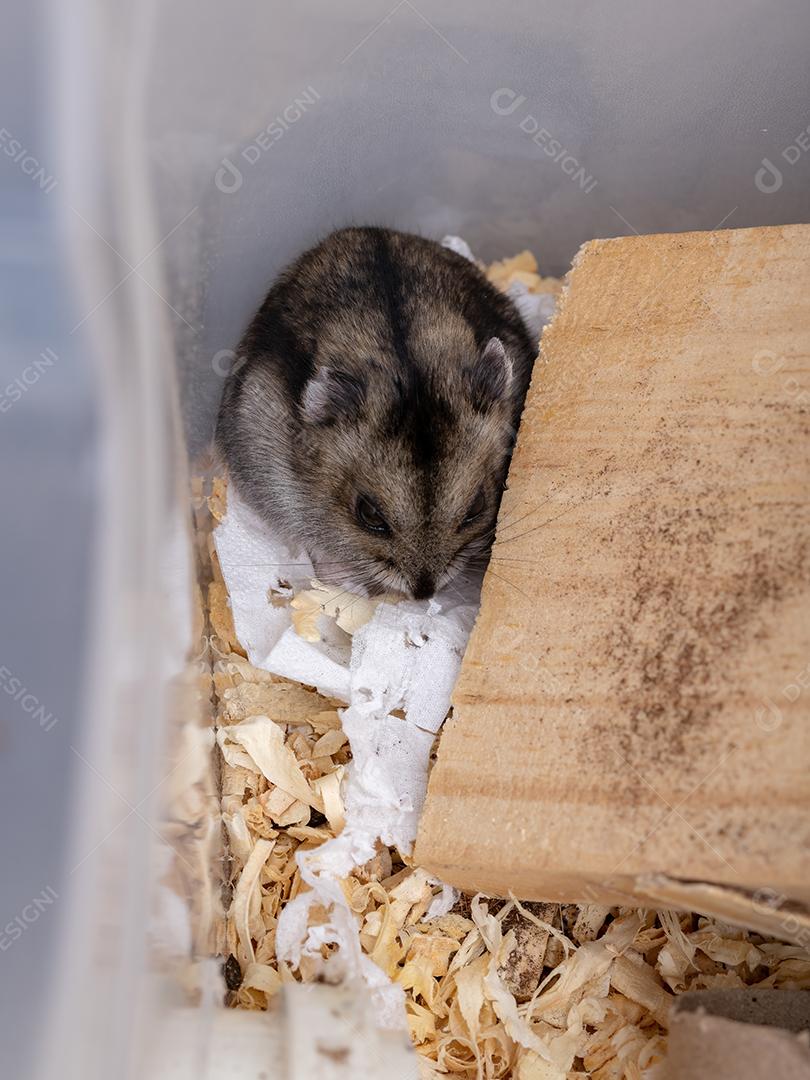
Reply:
x=424 y=586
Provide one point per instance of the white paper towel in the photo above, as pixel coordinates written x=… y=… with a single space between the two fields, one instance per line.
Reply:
x=405 y=659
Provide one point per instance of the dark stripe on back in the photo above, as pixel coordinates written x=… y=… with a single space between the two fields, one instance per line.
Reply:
x=417 y=413
x=388 y=280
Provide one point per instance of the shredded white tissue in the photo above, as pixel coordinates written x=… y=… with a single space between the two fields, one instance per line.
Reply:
x=461 y=247
x=405 y=659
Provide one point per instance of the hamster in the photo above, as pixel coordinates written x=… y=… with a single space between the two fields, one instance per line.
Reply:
x=372 y=415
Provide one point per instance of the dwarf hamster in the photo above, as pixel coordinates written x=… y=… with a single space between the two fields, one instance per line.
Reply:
x=372 y=414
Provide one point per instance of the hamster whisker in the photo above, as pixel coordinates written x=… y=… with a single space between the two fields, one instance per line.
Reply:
x=334 y=599
x=282 y=565
x=510 y=559
x=482 y=562
x=512 y=585
x=542 y=525
x=509 y=521
x=369 y=577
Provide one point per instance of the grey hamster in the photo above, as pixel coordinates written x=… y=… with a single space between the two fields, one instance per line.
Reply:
x=372 y=414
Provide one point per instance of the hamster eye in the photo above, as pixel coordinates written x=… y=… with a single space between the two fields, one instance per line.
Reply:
x=476 y=509
x=370 y=517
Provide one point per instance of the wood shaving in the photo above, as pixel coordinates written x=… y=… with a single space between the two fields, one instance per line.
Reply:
x=596 y=984
x=522 y=268
x=348 y=610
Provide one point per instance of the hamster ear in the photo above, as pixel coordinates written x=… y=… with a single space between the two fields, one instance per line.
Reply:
x=332 y=395
x=490 y=377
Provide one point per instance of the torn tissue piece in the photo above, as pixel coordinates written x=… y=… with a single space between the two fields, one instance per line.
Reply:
x=257 y=564
x=461 y=247
x=404 y=660
x=396 y=674
x=535 y=309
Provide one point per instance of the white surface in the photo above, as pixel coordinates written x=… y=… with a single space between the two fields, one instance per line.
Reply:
x=255 y=562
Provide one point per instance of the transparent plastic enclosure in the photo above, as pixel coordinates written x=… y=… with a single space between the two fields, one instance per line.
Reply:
x=194 y=149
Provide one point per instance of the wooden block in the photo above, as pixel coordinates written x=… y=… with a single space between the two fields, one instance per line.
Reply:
x=635 y=698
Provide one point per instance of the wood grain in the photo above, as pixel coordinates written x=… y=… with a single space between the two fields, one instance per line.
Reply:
x=635 y=698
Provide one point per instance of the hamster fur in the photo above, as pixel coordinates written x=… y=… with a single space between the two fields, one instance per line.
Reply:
x=372 y=414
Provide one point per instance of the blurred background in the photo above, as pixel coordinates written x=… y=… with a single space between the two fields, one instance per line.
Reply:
x=158 y=165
